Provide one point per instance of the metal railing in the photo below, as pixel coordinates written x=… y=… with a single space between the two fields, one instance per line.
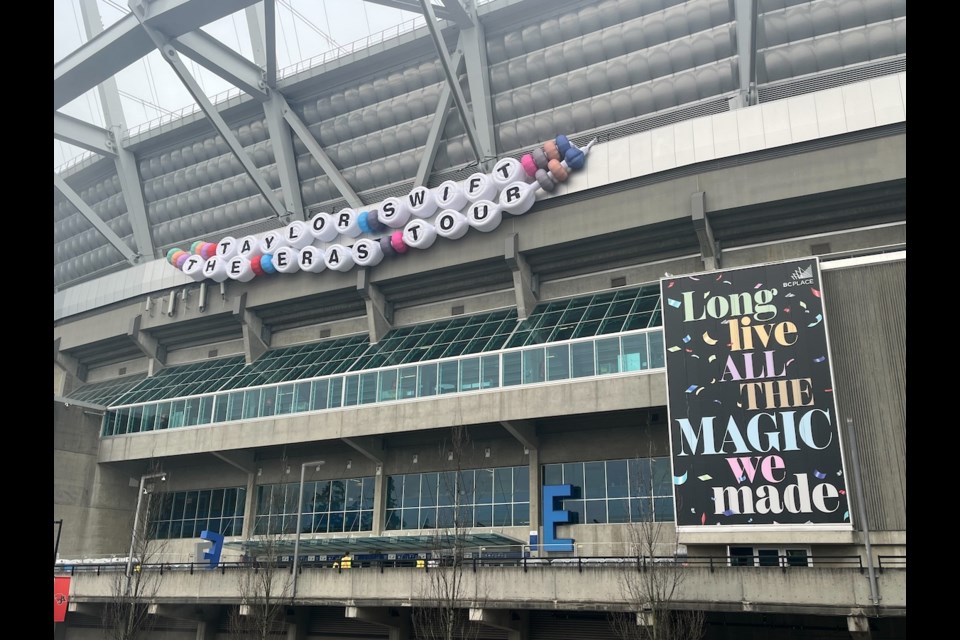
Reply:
x=477 y=561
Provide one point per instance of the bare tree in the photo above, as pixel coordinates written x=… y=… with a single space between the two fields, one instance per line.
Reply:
x=264 y=582
x=447 y=595
x=126 y=614
x=652 y=586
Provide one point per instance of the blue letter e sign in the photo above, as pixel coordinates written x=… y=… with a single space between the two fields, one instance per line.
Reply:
x=214 y=544
x=552 y=516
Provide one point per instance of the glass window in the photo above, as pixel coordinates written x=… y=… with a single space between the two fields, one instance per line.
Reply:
x=368 y=387
x=408 y=382
x=656 y=349
x=741 y=556
x=448 y=376
x=533 y=366
x=581 y=354
x=608 y=355
x=388 y=385
x=512 y=368
x=768 y=557
x=490 y=371
x=558 y=362
x=428 y=379
x=469 y=374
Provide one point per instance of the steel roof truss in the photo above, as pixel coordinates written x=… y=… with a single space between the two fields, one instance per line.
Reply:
x=95 y=220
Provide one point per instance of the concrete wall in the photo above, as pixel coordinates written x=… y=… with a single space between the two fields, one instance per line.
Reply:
x=822 y=590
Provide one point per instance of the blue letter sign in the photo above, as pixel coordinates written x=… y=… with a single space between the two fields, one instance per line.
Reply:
x=553 y=516
x=213 y=555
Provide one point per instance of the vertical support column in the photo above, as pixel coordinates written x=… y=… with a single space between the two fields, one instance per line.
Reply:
x=379 y=501
x=250 y=506
x=745 y=14
x=535 y=506
x=709 y=247
x=474 y=44
x=526 y=284
x=256 y=336
x=297 y=628
x=379 y=310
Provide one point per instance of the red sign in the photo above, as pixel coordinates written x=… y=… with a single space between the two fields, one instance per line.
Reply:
x=61 y=593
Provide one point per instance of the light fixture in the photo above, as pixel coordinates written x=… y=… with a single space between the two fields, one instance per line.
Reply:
x=259 y=471
x=486 y=452
x=349 y=464
x=449 y=455
x=288 y=468
x=415 y=458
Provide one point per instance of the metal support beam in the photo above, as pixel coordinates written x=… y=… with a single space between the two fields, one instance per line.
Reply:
x=437 y=123
x=83 y=134
x=474 y=44
x=256 y=335
x=208 y=52
x=67 y=402
x=709 y=247
x=95 y=220
x=329 y=169
x=526 y=284
x=525 y=432
x=379 y=309
x=463 y=17
x=128 y=169
x=85 y=608
x=124 y=42
x=261 y=24
x=745 y=12
x=242 y=460
x=395 y=619
x=169 y=53
x=453 y=81
x=149 y=345
x=282 y=143
x=370 y=446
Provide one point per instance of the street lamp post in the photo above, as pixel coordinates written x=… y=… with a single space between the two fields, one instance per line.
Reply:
x=296 y=545
x=136 y=520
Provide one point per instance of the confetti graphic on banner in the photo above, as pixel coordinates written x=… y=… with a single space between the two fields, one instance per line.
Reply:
x=692 y=388
x=695 y=279
x=705 y=477
x=673 y=303
x=840 y=473
x=819 y=474
x=706 y=338
x=786 y=309
x=846 y=515
x=843 y=492
x=814 y=292
x=742 y=478
x=728 y=512
x=692 y=510
x=712 y=358
x=693 y=355
x=703 y=518
x=750 y=520
x=790 y=295
x=719 y=275
x=687 y=338
x=727 y=282
x=697 y=392
x=672 y=349
x=678 y=480
x=717 y=401
x=758 y=285
x=817 y=321
x=670 y=284
x=804 y=305
x=820 y=359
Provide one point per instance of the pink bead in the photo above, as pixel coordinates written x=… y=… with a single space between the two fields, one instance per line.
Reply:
x=396 y=241
x=528 y=164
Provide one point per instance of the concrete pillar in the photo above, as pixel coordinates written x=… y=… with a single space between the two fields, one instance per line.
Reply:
x=379 y=501
x=297 y=626
x=526 y=284
x=250 y=505
x=859 y=627
x=516 y=626
x=379 y=310
x=256 y=336
x=535 y=507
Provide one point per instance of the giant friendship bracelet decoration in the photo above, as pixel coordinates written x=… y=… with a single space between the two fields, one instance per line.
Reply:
x=478 y=202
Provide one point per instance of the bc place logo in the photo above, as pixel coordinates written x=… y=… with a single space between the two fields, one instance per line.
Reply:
x=391 y=228
x=800 y=277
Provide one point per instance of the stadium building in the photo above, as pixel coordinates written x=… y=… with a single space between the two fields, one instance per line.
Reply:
x=510 y=292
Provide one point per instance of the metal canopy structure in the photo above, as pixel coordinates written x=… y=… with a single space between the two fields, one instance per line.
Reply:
x=382 y=544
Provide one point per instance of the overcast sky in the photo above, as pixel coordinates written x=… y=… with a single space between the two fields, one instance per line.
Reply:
x=148 y=87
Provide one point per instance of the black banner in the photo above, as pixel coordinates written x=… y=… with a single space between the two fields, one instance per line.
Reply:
x=754 y=431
